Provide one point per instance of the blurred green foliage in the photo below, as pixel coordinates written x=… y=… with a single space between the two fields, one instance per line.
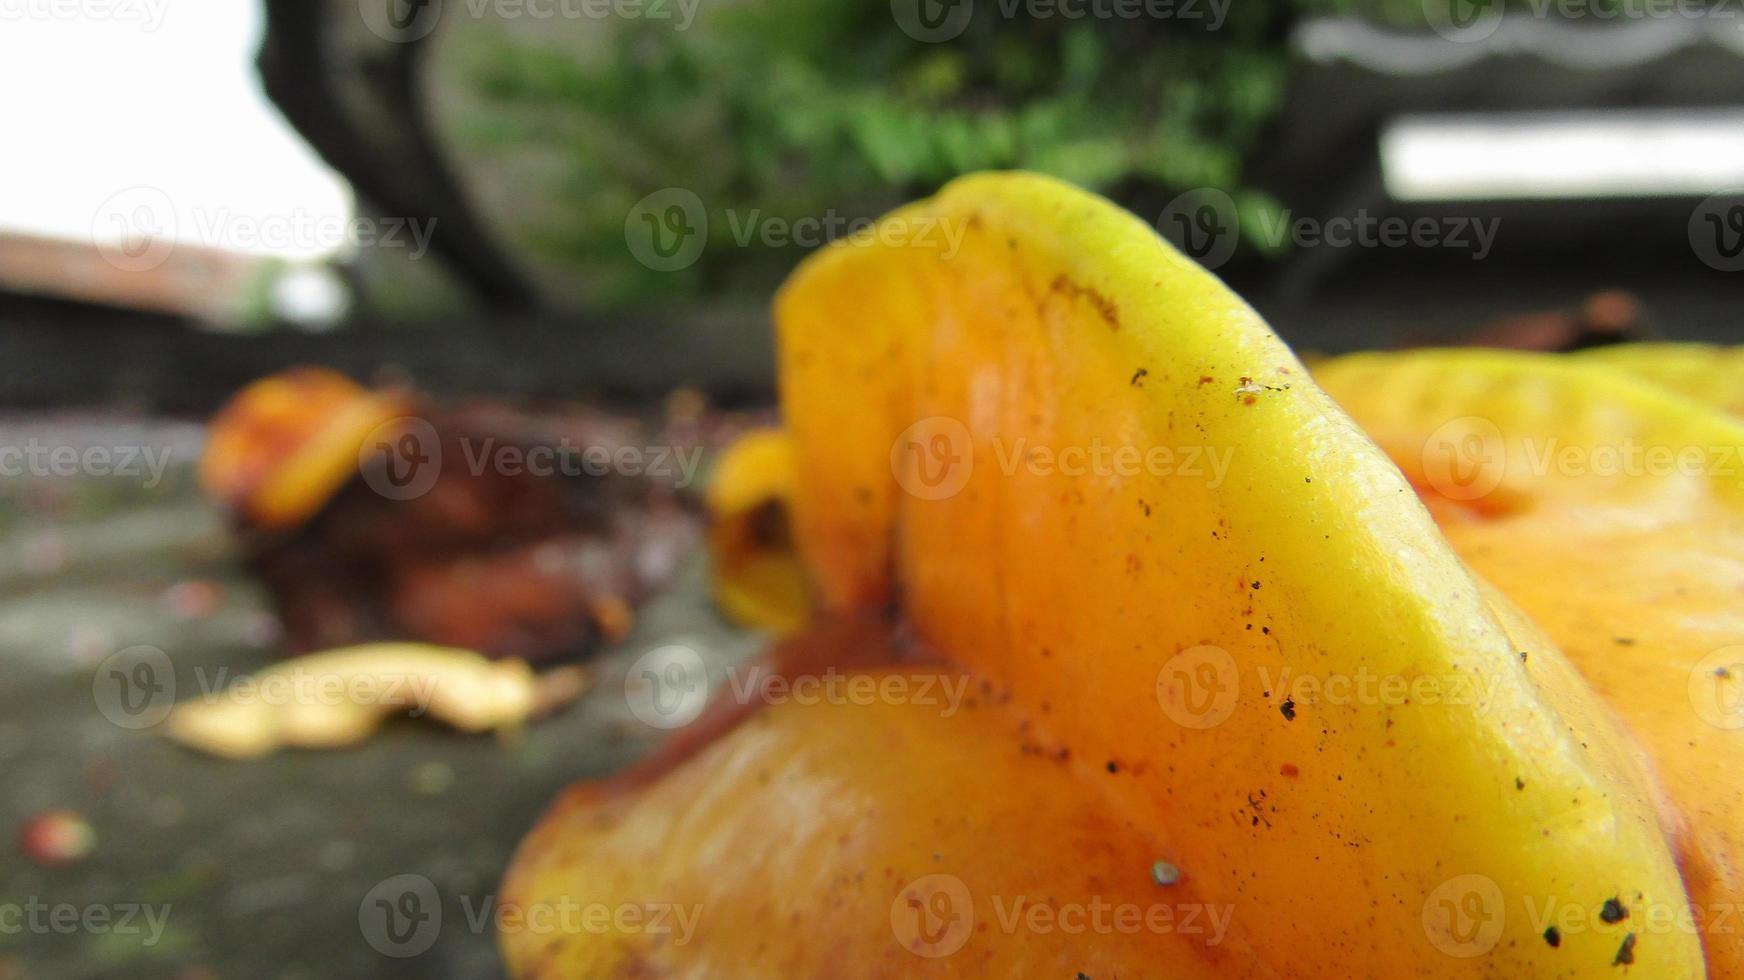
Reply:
x=785 y=109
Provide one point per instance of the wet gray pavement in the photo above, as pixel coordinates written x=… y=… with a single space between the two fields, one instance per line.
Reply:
x=289 y=866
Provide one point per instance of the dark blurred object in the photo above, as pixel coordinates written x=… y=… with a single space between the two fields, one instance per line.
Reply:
x=1613 y=316
x=354 y=98
x=377 y=515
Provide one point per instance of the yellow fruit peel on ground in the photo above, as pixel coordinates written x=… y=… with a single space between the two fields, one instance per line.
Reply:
x=341 y=697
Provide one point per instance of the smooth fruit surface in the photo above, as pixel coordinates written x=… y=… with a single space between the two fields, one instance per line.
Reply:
x=912 y=836
x=1612 y=512
x=1080 y=466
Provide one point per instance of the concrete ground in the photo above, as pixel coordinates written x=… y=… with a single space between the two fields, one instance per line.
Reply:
x=283 y=867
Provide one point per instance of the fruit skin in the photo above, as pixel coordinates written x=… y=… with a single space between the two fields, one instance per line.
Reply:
x=284 y=445
x=341 y=697
x=1057 y=321
x=755 y=576
x=1706 y=373
x=1636 y=574
x=793 y=842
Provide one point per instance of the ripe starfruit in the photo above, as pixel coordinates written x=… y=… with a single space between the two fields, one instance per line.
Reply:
x=1613 y=513
x=1705 y=373
x=1221 y=658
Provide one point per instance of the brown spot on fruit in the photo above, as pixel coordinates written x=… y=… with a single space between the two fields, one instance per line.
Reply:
x=1105 y=308
x=1626 y=952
